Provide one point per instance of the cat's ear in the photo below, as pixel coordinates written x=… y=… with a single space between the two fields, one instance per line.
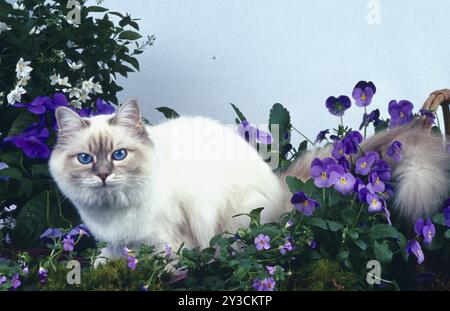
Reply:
x=129 y=116
x=69 y=121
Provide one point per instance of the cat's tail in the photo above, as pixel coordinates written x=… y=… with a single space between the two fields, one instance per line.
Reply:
x=422 y=177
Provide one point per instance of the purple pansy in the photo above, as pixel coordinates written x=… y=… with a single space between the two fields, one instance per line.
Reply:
x=321 y=136
x=351 y=142
x=363 y=93
x=304 y=204
x=337 y=106
x=15 y=281
x=131 y=262
x=103 y=107
x=258 y=284
x=400 y=112
x=168 y=250
x=364 y=164
x=375 y=204
x=80 y=230
x=388 y=192
x=338 y=149
x=32 y=141
x=3 y=279
x=320 y=172
x=447 y=212
x=37 y=106
x=426 y=229
x=413 y=247
x=269 y=284
x=51 y=233
x=373 y=116
x=286 y=247
x=262 y=242
x=42 y=275
x=68 y=243
x=289 y=224
x=376 y=182
x=312 y=244
x=382 y=169
x=271 y=269
x=429 y=115
x=343 y=162
x=343 y=182
x=395 y=151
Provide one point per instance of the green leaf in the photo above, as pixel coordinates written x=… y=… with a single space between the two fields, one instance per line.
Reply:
x=32 y=220
x=129 y=35
x=295 y=185
x=380 y=231
x=168 y=112
x=382 y=252
x=334 y=226
x=342 y=256
x=439 y=219
x=24 y=120
x=132 y=61
x=26 y=187
x=280 y=115
x=96 y=9
x=40 y=170
x=238 y=113
x=447 y=234
x=317 y=222
x=361 y=244
x=11 y=172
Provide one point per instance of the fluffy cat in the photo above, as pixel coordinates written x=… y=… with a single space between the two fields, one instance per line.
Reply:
x=173 y=183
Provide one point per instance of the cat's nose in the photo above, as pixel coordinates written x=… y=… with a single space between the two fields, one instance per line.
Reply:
x=103 y=176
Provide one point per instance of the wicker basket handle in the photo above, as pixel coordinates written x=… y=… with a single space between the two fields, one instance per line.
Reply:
x=436 y=99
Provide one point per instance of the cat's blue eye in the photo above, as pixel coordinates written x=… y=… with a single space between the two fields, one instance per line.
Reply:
x=85 y=158
x=120 y=154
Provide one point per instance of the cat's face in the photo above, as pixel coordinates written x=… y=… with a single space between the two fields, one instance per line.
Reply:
x=100 y=156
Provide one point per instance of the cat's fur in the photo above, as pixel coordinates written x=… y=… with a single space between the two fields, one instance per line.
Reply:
x=178 y=185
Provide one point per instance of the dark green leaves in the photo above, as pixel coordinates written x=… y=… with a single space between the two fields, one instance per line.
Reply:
x=168 y=112
x=382 y=252
x=238 y=113
x=380 y=231
x=129 y=35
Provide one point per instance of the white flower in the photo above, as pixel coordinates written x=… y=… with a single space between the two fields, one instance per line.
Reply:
x=84 y=96
x=73 y=92
x=76 y=104
x=15 y=95
x=4 y=27
x=70 y=44
x=88 y=85
x=17 y=6
x=22 y=68
x=75 y=66
x=10 y=208
x=56 y=79
x=2 y=224
x=98 y=88
x=23 y=81
x=37 y=30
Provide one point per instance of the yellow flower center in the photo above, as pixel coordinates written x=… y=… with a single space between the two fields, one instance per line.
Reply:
x=305 y=203
x=377 y=181
x=324 y=175
x=343 y=181
x=363 y=96
x=364 y=165
x=341 y=151
x=374 y=202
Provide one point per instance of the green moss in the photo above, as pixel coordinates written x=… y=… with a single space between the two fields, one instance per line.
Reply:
x=113 y=276
x=325 y=275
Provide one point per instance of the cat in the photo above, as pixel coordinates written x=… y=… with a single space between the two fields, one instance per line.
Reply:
x=170 y=183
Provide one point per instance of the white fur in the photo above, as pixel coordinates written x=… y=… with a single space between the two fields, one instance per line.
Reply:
x=186 y=171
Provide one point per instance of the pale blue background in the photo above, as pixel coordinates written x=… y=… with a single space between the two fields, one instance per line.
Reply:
x=293 y=52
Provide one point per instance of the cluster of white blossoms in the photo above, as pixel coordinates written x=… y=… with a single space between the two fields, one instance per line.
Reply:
x=23 y=71
x=4 y=27
x=78 y=94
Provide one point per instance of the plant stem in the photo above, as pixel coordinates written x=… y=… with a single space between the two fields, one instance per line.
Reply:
x=303 y=136
x=365 y=125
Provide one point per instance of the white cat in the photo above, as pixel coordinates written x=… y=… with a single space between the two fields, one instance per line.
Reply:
x=168 y=183
x=174 y=183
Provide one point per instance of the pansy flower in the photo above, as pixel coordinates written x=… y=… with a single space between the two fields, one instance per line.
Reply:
x=375 y=204
x=363 y=93
x=413 y=247
x=373 y=116
x=303 y=204
x=377 y=184
x=383 y=170
x=400 y=112
x=68 y=243
x=343 y=182
x=321 y=136
x=320 y=172
x=447 y=212
x=103 y=107
x=337 y=105
x=32 y=141
x=364 y=164
x=262 y=241
x=351 y=142
x=338 y=149
x=395 y=151
x=429 y=116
